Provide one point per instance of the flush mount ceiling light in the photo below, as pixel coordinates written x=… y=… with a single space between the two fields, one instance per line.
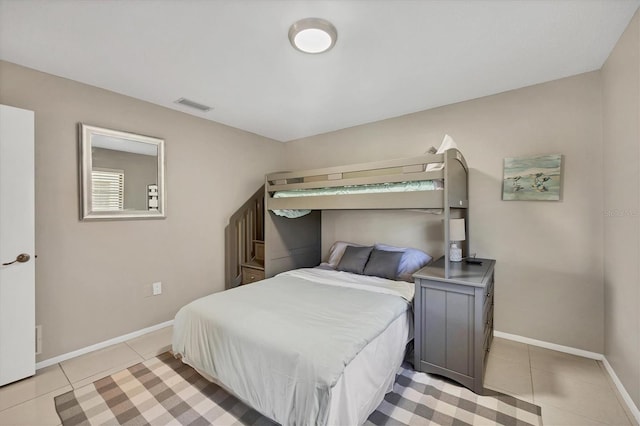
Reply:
x=313 y=35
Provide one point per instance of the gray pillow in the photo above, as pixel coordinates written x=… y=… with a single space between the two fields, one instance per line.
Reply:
x=383 y=264
x=412 y=260
x=354 y=259
x=337 y=250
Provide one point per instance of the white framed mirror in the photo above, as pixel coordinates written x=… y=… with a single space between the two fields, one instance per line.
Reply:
x=121 y=175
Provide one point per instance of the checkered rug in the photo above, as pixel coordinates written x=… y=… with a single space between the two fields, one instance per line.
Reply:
x=164 y=391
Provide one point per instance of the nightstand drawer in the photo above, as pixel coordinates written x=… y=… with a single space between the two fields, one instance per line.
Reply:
x=251 y=275
x=487 y=315
x=488 y=328
x=488 y=293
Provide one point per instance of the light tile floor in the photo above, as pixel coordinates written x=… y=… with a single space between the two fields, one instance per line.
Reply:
x=30 y=401
x=571 y=390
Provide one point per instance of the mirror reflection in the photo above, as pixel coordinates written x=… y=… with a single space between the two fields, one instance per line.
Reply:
x=122 y=174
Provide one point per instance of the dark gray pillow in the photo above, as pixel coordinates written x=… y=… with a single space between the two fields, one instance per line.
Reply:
x=383 y=264
x=354 y=259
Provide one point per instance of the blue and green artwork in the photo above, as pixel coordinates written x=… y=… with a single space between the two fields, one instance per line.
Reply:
x=532 y=178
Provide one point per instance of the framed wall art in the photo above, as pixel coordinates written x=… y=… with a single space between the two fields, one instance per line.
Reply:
x=533 y=178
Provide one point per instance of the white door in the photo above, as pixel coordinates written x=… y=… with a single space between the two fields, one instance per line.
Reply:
x=17 y=243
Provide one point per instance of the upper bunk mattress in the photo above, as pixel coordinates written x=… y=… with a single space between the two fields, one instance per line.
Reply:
x=413 y=186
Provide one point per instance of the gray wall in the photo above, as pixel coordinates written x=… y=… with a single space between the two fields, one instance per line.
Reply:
x=621 y=153
x=400 y=228
x=93 y=278
x=549 y=254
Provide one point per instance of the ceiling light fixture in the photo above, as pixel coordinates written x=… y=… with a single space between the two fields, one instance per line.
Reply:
x=313 y=35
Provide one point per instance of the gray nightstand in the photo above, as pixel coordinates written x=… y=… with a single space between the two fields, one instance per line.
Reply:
x=454 y=320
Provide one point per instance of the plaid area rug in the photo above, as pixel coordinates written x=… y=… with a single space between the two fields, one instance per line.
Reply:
x=164 y=391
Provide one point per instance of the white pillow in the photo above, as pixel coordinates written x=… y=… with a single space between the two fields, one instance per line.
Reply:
x=447 y=143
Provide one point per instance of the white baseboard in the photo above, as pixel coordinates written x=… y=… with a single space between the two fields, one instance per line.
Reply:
x=101 y=345
x=580 y=352
x=625 y=395
x=548 y=345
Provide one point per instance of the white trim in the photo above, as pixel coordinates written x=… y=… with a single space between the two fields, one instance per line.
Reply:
x=579 y=352
x=623 y=392
x=548 y=345
x=101 y=345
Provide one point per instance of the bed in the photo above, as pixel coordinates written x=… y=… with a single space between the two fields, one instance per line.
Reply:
x=289 y=210
x=309 y=346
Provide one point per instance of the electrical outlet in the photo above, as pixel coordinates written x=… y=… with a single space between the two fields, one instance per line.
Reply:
x=157 y=288
x=38 y=339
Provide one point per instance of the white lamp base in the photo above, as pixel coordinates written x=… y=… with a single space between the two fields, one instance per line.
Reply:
x=455 y=253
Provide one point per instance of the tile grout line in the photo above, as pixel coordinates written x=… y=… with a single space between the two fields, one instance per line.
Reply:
x=141 y=357
x=65 y=374
x=38 y=396
x=533 y=396
x=105 y=372
x=573 y=413
x=605 y=386
x=617 y=394
x=32 y=399
x=133 y=349
x=580 y=414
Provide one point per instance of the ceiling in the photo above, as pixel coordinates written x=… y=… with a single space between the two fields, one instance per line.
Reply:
x=392 y=57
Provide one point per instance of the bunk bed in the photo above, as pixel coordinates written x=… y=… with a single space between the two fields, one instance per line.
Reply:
x=432 y=182
x=281 y=344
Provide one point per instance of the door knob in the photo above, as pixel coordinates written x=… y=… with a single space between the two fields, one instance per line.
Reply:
x=21 y=258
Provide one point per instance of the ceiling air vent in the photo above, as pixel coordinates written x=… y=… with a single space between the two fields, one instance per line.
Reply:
x=192 y=104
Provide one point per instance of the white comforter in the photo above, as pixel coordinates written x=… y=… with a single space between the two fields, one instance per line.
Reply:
x=281 y=344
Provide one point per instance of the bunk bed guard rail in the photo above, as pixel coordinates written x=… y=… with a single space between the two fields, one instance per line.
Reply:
x=429 y=181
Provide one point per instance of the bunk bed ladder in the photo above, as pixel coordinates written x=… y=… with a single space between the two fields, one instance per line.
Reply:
x=245 y=227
